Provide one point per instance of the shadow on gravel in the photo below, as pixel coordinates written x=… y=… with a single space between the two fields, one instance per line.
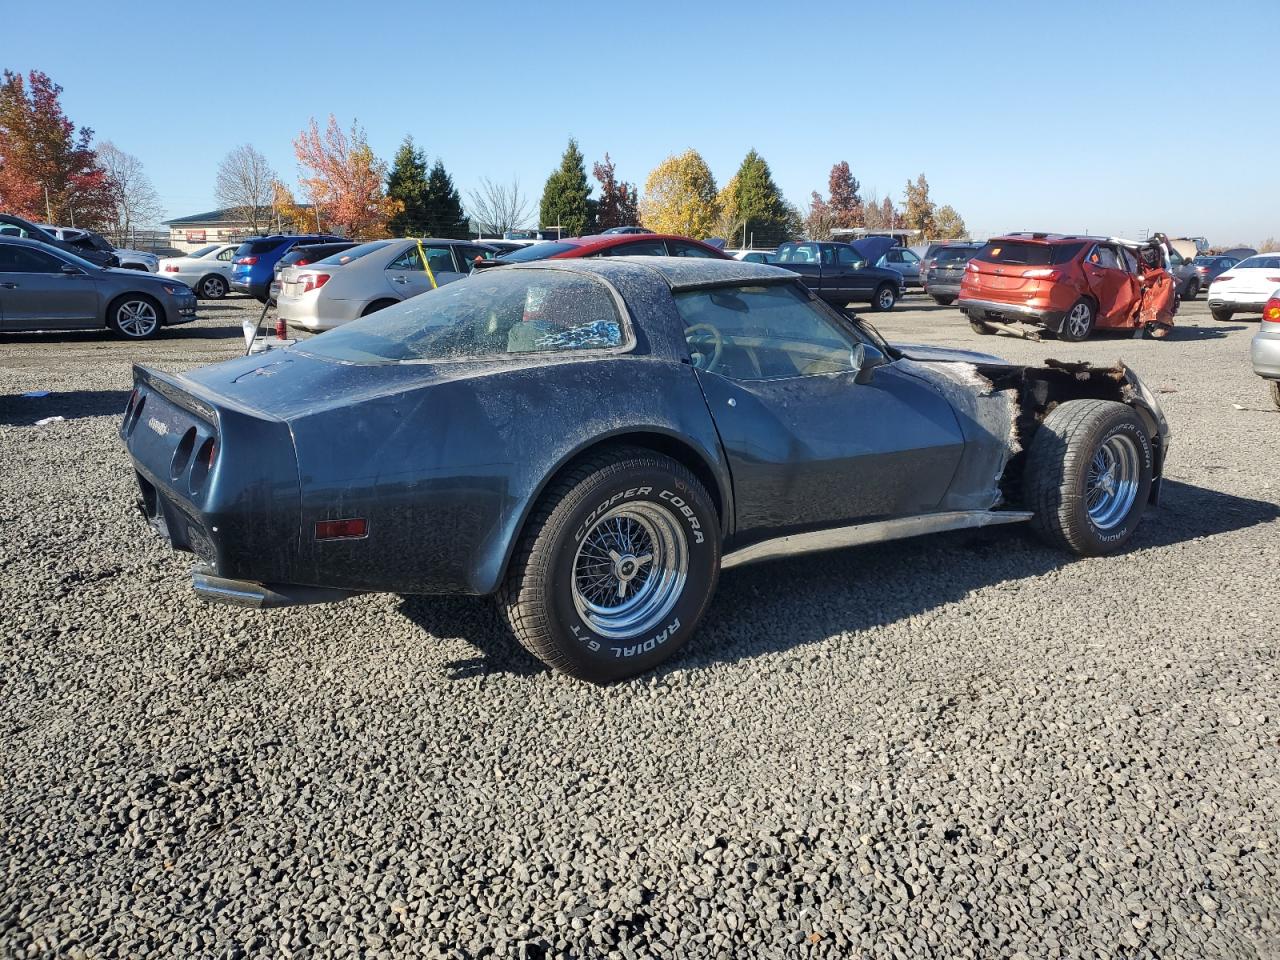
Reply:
x=476 y=620
x=19 y=411
x=184 y=332
x=784 y=604
x=781 y=605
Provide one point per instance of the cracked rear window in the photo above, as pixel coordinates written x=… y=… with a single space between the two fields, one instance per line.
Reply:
x=492 y=313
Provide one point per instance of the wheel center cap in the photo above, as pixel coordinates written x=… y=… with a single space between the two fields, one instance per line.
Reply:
x=625 y=568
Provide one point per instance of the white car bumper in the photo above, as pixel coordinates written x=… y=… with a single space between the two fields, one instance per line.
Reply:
x=309 y=311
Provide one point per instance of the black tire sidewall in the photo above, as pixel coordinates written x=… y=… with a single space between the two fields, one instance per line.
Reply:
x=605 y=658
x=1064 y=332
x=1128 y=424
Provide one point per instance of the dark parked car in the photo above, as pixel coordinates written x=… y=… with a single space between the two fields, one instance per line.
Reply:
x=11 y=226
x=593 y=440
x=840 y=274
x=613 y=230
x=254 y=266
x=946 y=270
x=302 y=254
x=45 y=288
x=1208 y=268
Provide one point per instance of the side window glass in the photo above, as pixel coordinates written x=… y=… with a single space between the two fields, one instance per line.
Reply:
x=687 y=250
x=847 y=257
x=409 y=260
x=766 y=332
x=642 y=248
x=909 y=257
x=22 y=260
x=227 y=254
x=1130 y=261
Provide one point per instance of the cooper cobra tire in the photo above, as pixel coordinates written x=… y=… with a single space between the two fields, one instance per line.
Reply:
x=212 y=287
x=885 y=297
x=1221 y=315
x=944 y=301
x=624 y=514
x=1079 y=321
x=1079 y=444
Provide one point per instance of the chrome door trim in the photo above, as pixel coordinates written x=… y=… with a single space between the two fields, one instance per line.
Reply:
x=876 y=531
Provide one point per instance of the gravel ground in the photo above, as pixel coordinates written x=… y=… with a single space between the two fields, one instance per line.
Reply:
x=964 y=746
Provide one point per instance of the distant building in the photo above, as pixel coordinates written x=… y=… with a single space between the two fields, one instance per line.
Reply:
x=219 y=226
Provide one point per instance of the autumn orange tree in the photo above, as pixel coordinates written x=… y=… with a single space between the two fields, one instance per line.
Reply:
x=345 y=180
x=41 y=150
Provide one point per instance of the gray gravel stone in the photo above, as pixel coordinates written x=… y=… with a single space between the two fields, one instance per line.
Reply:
x=969 y=746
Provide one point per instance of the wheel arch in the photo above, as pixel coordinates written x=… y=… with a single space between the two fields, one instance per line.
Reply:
x=656 y=439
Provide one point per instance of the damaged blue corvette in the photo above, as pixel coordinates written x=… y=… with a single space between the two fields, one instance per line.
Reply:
x=592 y=441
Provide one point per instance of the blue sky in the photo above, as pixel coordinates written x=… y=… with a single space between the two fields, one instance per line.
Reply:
x=1110 y=117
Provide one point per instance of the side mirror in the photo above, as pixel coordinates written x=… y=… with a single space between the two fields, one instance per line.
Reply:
x=864 y=359
x=71 y=269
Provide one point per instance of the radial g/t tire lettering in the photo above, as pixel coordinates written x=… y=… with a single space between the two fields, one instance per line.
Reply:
x=615 y=567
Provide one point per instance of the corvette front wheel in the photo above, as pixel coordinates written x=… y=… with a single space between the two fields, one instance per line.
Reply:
x=616 y=566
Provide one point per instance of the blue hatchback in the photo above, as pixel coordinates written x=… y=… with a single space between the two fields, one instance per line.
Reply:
x=252 y=268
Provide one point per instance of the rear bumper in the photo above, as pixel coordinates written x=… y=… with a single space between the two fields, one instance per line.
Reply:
x=1265 y=353
x=316 y=313
x=992 y=309
x=942 y=288
x=256 y=289
x=260 y=596
x=1248 y=303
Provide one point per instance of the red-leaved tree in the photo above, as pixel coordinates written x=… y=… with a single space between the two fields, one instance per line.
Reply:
x=618 y=205
x=846 y=205
x=40 y=149
x=345 y=180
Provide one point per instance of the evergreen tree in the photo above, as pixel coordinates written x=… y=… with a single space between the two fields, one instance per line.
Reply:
x=618 y=205
x=407 y=183
x=845 y=204
x=755 y=204
x=566 y=198
x=444 y=206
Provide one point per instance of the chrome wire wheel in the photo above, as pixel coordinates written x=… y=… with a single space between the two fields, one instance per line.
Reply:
x=1079 y=321
x=630 y=570
x=136 y=318
x=1112 y=482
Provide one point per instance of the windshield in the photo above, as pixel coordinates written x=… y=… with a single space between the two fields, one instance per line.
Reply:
x=204 y=251
x=354 y=253
x=1269 y=262
x=536 y=251
x=1028 y=254
x=491 y=314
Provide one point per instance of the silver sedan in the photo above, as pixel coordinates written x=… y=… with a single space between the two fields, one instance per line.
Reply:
x=364 y=279
x=45 y=288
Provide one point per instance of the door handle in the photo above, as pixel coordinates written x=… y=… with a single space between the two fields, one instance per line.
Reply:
x=9 y=286
x=400 y=279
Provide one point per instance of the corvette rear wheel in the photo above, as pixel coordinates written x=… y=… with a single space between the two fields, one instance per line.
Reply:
x=616 y=566
x=1088 y=476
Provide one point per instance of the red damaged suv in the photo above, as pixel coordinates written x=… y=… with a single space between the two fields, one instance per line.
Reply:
x=1069 y=285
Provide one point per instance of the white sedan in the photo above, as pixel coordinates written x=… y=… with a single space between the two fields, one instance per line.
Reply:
x=207 y=271
x=1245 y=287
x=364 y=279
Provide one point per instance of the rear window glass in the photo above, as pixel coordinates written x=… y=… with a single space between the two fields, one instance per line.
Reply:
x=354 y=253
x=536 y=251
x=799 y=253
x=1028 y=254
x=203 y=251
x=1260 y=263
x=491 y=314
x=954 y=255
x=254 y=247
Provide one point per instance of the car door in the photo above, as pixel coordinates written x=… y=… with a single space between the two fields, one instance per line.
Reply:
x=36 y=292
x=809 y=447
x=406 y=276
x=1107 y=282
x=850 y=275
x=223 y=261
